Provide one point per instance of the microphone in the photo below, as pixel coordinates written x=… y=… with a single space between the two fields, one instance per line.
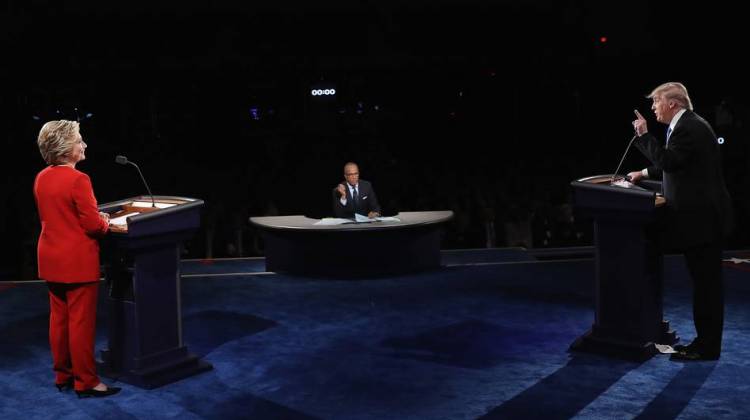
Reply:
x=623 y=158
x=122 y=160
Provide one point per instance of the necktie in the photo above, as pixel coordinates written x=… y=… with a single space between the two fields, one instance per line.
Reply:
x=669 y=133
x=355 y=195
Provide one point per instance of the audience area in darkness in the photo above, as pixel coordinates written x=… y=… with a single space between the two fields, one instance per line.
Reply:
x=488 y=110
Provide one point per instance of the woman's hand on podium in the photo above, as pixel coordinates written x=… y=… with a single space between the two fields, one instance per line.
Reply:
x=118 y=228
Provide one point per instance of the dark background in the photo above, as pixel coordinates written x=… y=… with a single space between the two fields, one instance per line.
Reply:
x=485 y=108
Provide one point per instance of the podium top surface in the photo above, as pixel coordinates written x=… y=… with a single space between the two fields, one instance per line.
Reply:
x=618 y=184
x=302 y=223
x=129 y=212
x=160 y=201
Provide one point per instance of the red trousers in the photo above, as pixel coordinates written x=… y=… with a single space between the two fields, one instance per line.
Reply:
x=72 y=325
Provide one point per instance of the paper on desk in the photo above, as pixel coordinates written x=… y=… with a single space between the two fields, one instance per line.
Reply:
x=358 y=218
x=361 y=219
x=331 y=221
x=122 y=220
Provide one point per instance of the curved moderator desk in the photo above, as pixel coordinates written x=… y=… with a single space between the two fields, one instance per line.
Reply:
x=295 y=244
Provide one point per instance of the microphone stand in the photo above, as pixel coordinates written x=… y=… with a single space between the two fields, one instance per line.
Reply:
x=623 y=158
x=153 y=202
x=122 y=160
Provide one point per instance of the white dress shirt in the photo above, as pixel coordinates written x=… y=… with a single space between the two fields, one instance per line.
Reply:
x=342 y=200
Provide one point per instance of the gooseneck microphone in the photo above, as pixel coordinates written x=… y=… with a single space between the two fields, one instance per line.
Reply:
x=623 y=158
x=122 y=160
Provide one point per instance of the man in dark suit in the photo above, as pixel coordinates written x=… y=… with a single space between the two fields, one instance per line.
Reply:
x=354 y=195
x=698 y=209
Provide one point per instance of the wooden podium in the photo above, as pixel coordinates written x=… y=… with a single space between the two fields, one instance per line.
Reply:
x=142 y=272
x=629 y=267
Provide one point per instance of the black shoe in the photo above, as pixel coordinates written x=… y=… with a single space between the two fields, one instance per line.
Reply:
x=689 y=347
x=680 y=347
x=693 y=355
x=65 y=385
x=86 y=393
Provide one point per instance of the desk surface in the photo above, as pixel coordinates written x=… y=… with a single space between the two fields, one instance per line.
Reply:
x=302 y=223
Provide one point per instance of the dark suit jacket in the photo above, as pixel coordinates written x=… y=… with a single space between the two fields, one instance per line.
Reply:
x=367 y=202
x=699 y=209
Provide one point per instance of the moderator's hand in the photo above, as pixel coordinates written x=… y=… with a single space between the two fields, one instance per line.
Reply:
x=640 y=125
x=635 y=176
x=373 y=214
x=341 y=190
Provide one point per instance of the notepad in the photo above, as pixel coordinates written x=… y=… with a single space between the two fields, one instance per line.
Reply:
x=122 y=220
x=148 y=204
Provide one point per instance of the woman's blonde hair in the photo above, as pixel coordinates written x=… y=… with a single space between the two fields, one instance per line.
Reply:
x=56 y=140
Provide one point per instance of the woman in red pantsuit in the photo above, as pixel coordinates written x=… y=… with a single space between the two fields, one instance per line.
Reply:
x=68 y=257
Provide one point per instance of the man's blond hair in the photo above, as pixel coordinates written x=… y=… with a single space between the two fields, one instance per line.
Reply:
x=673 y=91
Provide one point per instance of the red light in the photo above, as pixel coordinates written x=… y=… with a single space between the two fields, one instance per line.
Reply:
x=603 y=39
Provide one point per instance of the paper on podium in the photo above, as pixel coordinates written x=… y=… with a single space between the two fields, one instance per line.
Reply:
x=148 y=204
x=122 y=220
x=387 y=219
x=623 y=183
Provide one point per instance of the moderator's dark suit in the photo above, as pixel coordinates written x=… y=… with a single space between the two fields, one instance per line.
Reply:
x=366 y=203
x=698 y=215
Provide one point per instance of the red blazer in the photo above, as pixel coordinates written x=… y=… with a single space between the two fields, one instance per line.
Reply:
x=68 y=250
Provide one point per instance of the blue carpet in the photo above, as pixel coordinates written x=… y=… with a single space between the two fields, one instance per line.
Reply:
x=489 y=255
x=464 y=342
x=449 y=257
x=223 y=266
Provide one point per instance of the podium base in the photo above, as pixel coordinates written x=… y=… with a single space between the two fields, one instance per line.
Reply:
x=156 y=376
x=667 y=336
x=628 y=350
x=594 y=341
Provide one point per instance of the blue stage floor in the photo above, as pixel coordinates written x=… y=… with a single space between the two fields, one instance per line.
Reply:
x=485 y=336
